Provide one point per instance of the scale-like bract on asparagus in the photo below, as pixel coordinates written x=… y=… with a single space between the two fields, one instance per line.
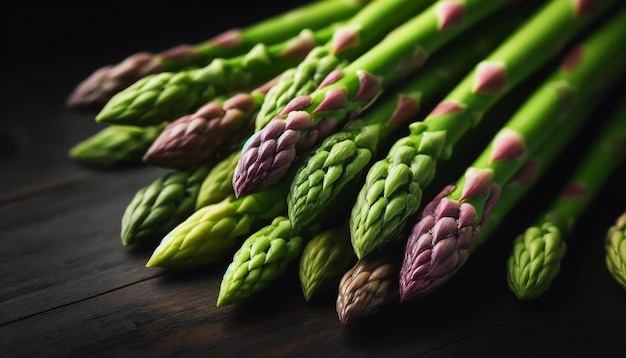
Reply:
x=393 y=187
x=325 y=258
x=160 y=206
x=116 y=145
x=341 y=157
x=449 y=225
x=262 y=258
x=166 y=96
x=524 y=179
x=368 y=286
x=212 y=232
x=355 y=36
x=308 y=119
x=93 y=92
x=216 y=186
x=197 y=137
x=615 y=247
x=536 y=256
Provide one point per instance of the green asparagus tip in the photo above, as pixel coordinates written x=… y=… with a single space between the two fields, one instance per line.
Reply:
x=535 y=261
x=615 y=246
x=262 y=257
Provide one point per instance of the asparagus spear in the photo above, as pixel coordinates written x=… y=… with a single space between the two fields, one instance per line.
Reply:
x=615 y=246
x=393 y=186
x=343 y=94
x=262 y=257
x=216 y=185
x=368 y=286
x=190 y=135
x=196 y=137
x=160 y=206
x=115 y=145
x=93 y=92
x=390 y=256
x=166 y=96
x=362 y=31
x=448 y=225
x=211 y=233
x=325 y=258
x=341 y=157
x=537 y=253
x=524 y=179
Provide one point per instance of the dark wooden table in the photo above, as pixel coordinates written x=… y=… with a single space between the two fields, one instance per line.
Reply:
x=69 y=288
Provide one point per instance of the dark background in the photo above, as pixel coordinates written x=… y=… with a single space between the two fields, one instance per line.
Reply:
x=74 y=32
x=65 y=42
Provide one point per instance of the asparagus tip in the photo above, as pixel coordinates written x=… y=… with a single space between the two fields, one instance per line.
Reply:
x=97 y=89
x=268 y=154
x=87 y=95
x=437 y=246
x=535 y=260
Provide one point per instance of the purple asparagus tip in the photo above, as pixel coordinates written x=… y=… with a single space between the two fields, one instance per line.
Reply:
x=438 y=245
x=268 y=154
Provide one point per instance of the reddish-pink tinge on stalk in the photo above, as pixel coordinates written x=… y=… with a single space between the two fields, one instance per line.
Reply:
x=406 y=109
x=299 y=48
x=332 y=77
x=345 y=37
x=333 y=99
x=369 y=87
x=182 y=54
x=490 y=78
x=445 y=108
x=449 y=13
x=526 y=174
x=574 y=190
x=227 y=39
x=508 y=145
x=572 y=60
x=477 y=183
x=296 y=104
x=585 y=6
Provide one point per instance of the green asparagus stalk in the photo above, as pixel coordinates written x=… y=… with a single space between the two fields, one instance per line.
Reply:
x=393 y=187
x=165 y=96
x=615 y=246
x=343 y=156
x=160 y=206
x=391 y=255
x=536 y=256
x=308 y=119
x=368 y=286
x=115 y=145
x=262 y=258
x=357 y=35
x=448 y=225
x=196 y=137
x=212 y=232
x=325 y=258
x=216 y=185
x=93 y=92
x=525 y=178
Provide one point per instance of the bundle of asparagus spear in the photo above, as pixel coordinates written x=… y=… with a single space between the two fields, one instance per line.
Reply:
x=372 y=146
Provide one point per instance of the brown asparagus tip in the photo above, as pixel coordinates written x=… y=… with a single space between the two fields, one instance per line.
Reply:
x=97 y=89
